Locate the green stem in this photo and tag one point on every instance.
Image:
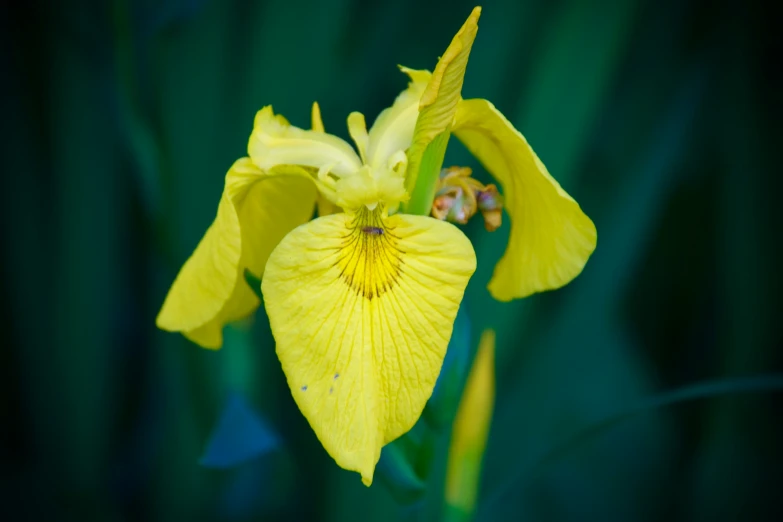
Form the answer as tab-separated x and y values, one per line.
422	186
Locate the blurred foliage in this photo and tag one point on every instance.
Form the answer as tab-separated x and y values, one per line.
662	118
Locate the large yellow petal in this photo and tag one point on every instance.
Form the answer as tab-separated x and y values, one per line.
362	307
255	212
551	238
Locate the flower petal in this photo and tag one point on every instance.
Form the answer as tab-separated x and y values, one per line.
392	130
275	142
436	114
255	212
551	238
357	128
317	124
325	206
362	307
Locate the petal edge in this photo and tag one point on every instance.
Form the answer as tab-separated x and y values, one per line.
256	210
551	238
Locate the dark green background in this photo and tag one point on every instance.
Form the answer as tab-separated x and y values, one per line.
661	117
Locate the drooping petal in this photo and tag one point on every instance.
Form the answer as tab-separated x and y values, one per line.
275	142
255	212
551	238
392	130
437	108
362	307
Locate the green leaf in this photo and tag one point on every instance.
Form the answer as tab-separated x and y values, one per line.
431	162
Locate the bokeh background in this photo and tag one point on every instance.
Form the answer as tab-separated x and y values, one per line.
645	390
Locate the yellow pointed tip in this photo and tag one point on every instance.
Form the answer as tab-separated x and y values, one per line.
263	114
421	76
267	117
367	480
460	47
317	123
471	24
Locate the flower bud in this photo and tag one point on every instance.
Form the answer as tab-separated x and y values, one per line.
458	197
490	204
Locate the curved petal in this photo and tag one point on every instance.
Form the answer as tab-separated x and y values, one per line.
551	238
255	212
275	142
392	130
362	307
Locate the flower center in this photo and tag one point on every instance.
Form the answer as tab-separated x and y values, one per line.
370	260
371	185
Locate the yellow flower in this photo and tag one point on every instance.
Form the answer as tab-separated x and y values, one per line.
362	300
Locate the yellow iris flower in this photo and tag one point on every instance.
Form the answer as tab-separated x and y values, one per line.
362	300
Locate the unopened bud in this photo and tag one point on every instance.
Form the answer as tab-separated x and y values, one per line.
490	204
458	197
442	206
454	204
